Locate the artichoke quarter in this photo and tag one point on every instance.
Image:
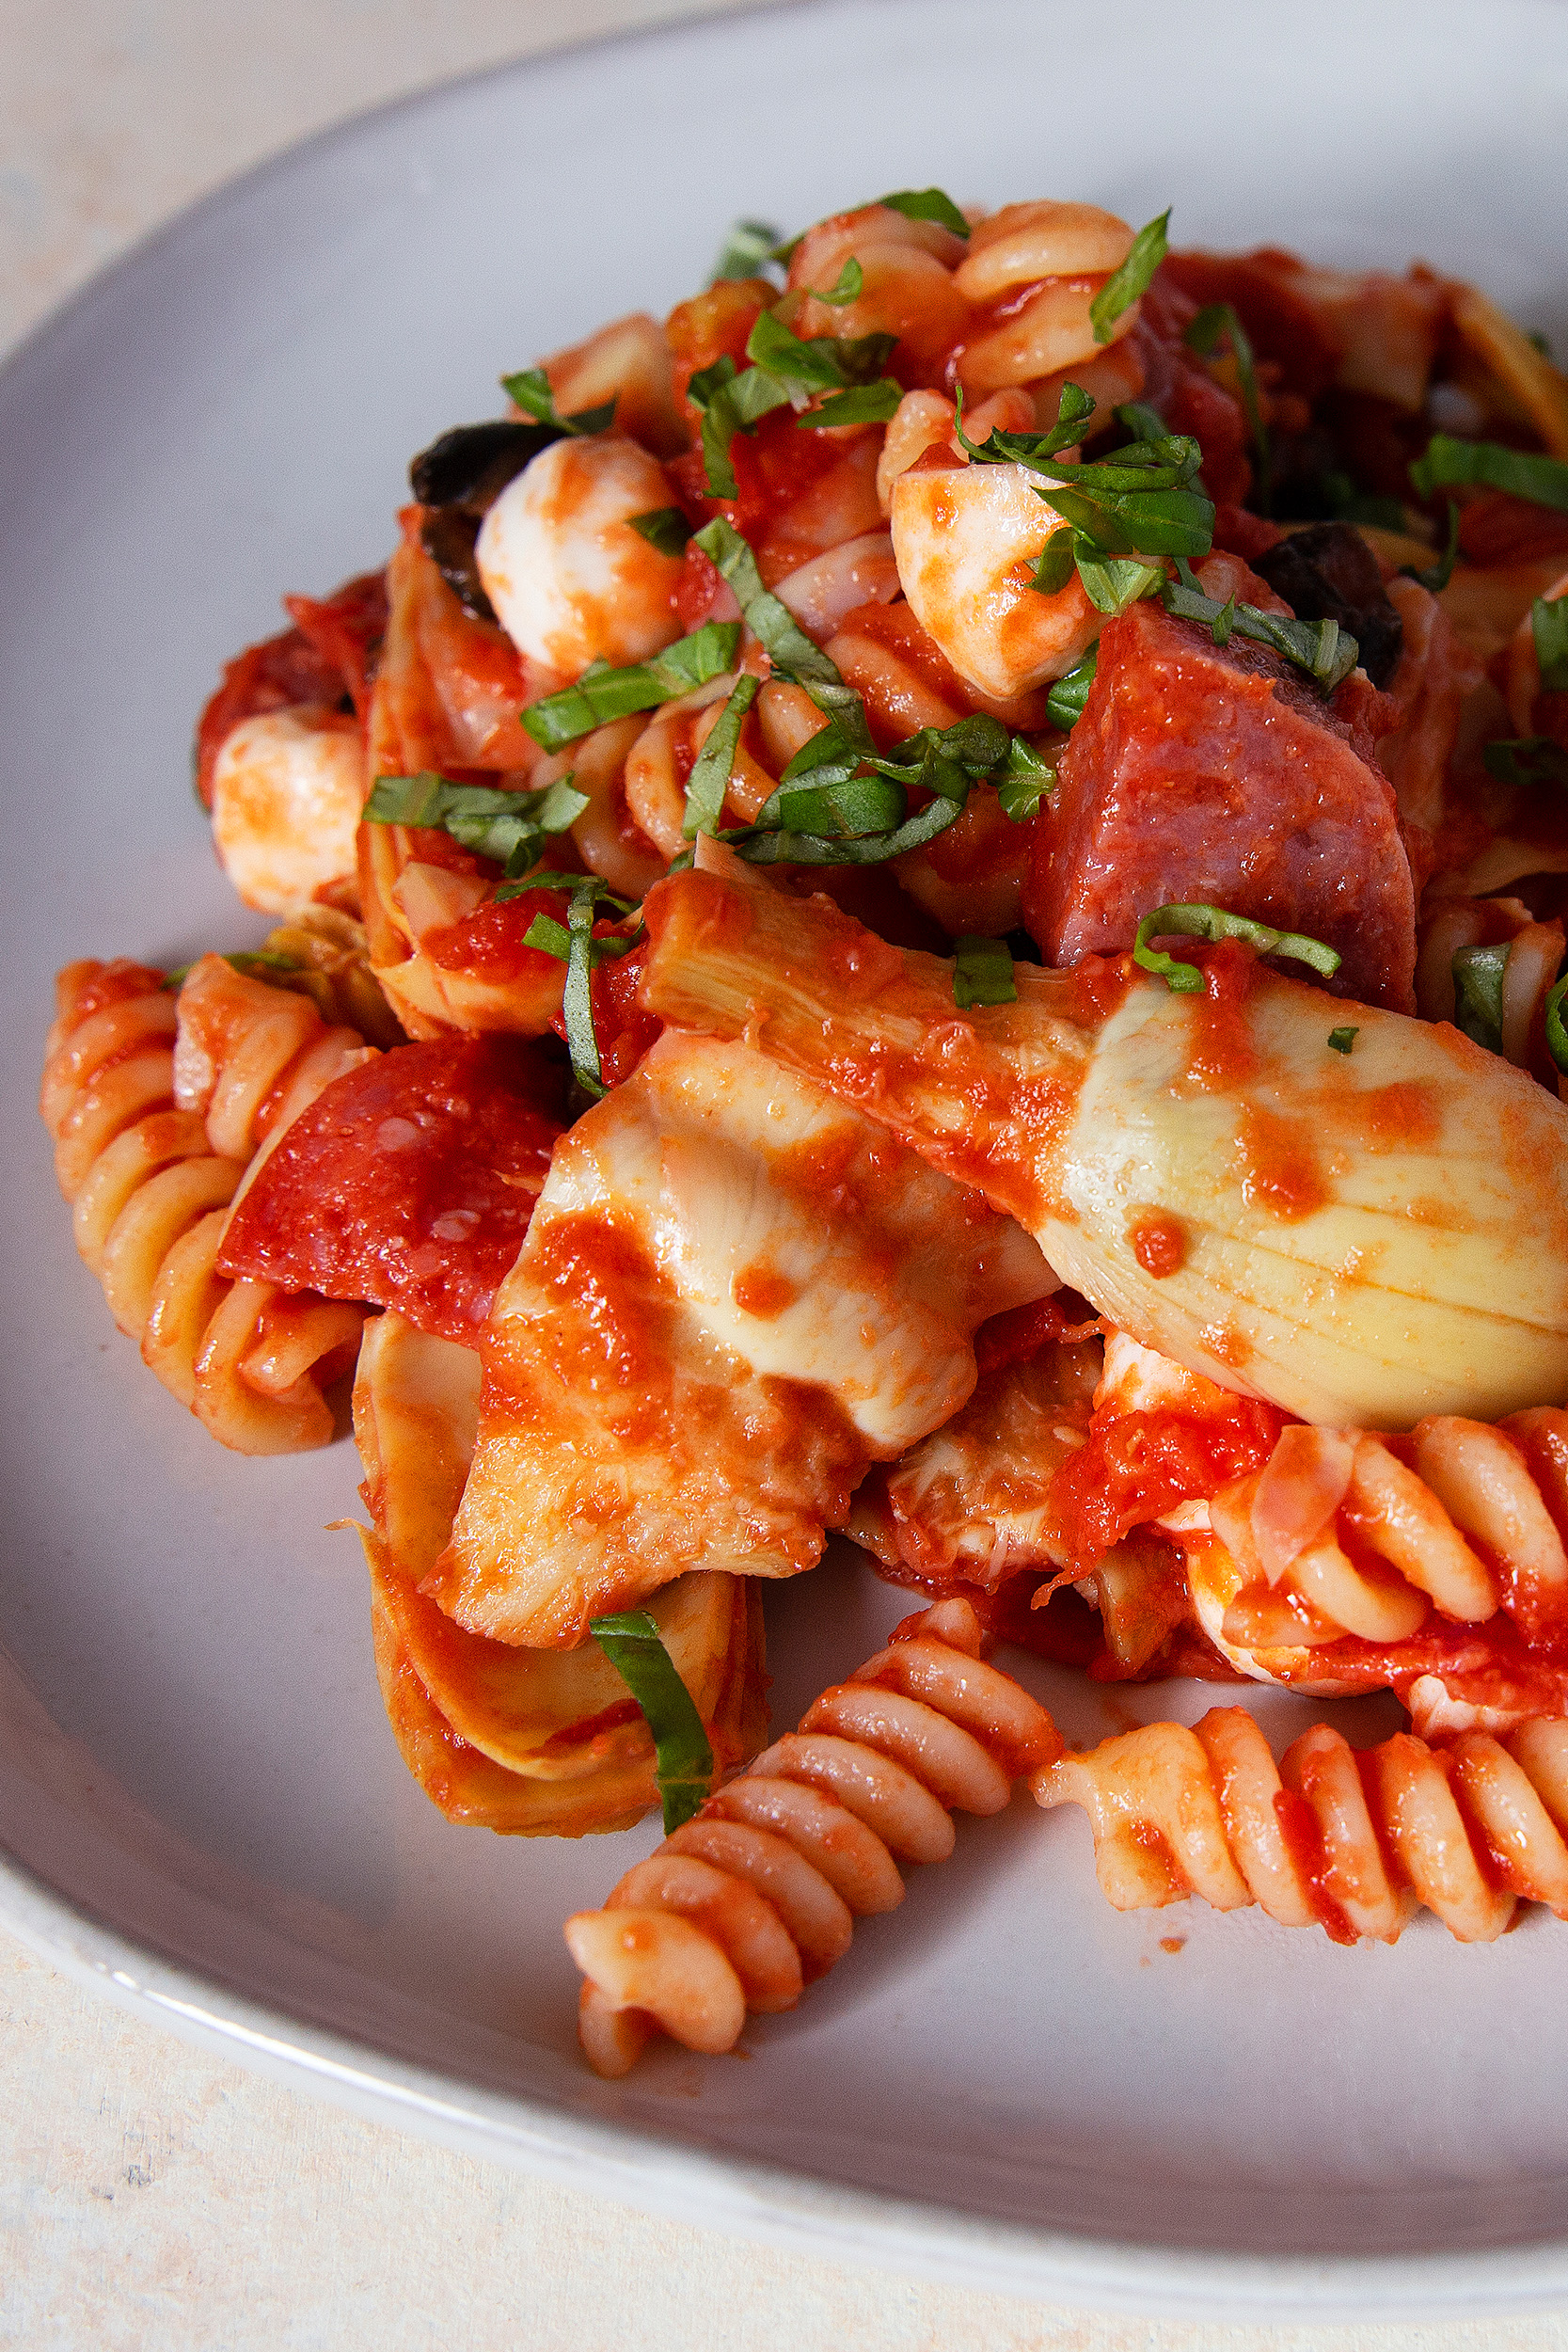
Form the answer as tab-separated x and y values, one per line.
1362	1238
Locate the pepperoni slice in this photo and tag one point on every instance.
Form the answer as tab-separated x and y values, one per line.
408	1182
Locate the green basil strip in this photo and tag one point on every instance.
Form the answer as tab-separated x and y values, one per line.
1436	575
582	951
731	402
847	288
602	693
927	204
1526	759
1557	1034
710	775
1219	319
511	828
1342	1040
1325	651
1112	582
759	847
531	391
1477	991
1027	780
664	528
254	963
853	810
1123	287
1057	562
1448	464
773	623
816	363
684	1757
1549	628
982	972
864	403
1073	408
1205	922
550	878
1143	423
1064	704
747	248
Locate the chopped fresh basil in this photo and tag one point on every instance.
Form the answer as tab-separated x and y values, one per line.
710	774
253	963
1112	582
749	246
864	404
815	363
731	400
1526	759
1219	319
982	972
927	204
1124	285
762	844
1205	922
1434	576
849	811
1026	779
1073	408
846	288
1144	423
1139	501
664	528
1064	704
577	946
512	828
602	693
531	390
1448	464
1342	1040
1478	991
772	623
1556	1033
1549	622
1325	651
682	1752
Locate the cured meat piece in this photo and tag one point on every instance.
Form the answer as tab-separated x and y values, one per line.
1210	774
409	1183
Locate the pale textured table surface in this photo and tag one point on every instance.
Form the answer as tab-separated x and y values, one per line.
152	2197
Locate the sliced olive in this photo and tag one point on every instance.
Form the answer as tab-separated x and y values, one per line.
1328	573
471	465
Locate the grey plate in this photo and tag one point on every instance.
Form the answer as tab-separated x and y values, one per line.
1007	2081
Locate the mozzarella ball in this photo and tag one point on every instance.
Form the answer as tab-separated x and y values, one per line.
570	580
967	539
287	791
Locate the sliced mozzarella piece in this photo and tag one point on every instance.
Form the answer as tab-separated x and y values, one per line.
570	580
287	792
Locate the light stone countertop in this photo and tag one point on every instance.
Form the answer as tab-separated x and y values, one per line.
154	2198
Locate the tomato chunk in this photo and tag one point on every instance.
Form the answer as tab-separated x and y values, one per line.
409	1184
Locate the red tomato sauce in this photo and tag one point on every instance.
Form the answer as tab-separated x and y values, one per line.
1134	1466
409	1184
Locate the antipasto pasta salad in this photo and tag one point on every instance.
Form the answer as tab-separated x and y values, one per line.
927	902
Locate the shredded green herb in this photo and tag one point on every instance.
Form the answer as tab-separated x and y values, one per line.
927	204
746	251
253	963
1526	759
1448	464
602	693
1342	1040
574	944
1219	320
1478	989
1549	622
710	774
1326	652
512	828
1206	922
982	972
1434	576
684	1756
531	391
1556	1033
664	528
845	289
772	623
1124	285
1064	704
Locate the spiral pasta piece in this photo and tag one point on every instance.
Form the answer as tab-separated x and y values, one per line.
1347	1532
744	1905
151	1174
1353	1841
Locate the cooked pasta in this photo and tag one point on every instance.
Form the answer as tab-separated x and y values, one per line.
1353	1842
756	1897
150	1182
927	901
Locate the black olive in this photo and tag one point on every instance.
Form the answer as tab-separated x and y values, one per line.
471	465
447	534
1328	573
